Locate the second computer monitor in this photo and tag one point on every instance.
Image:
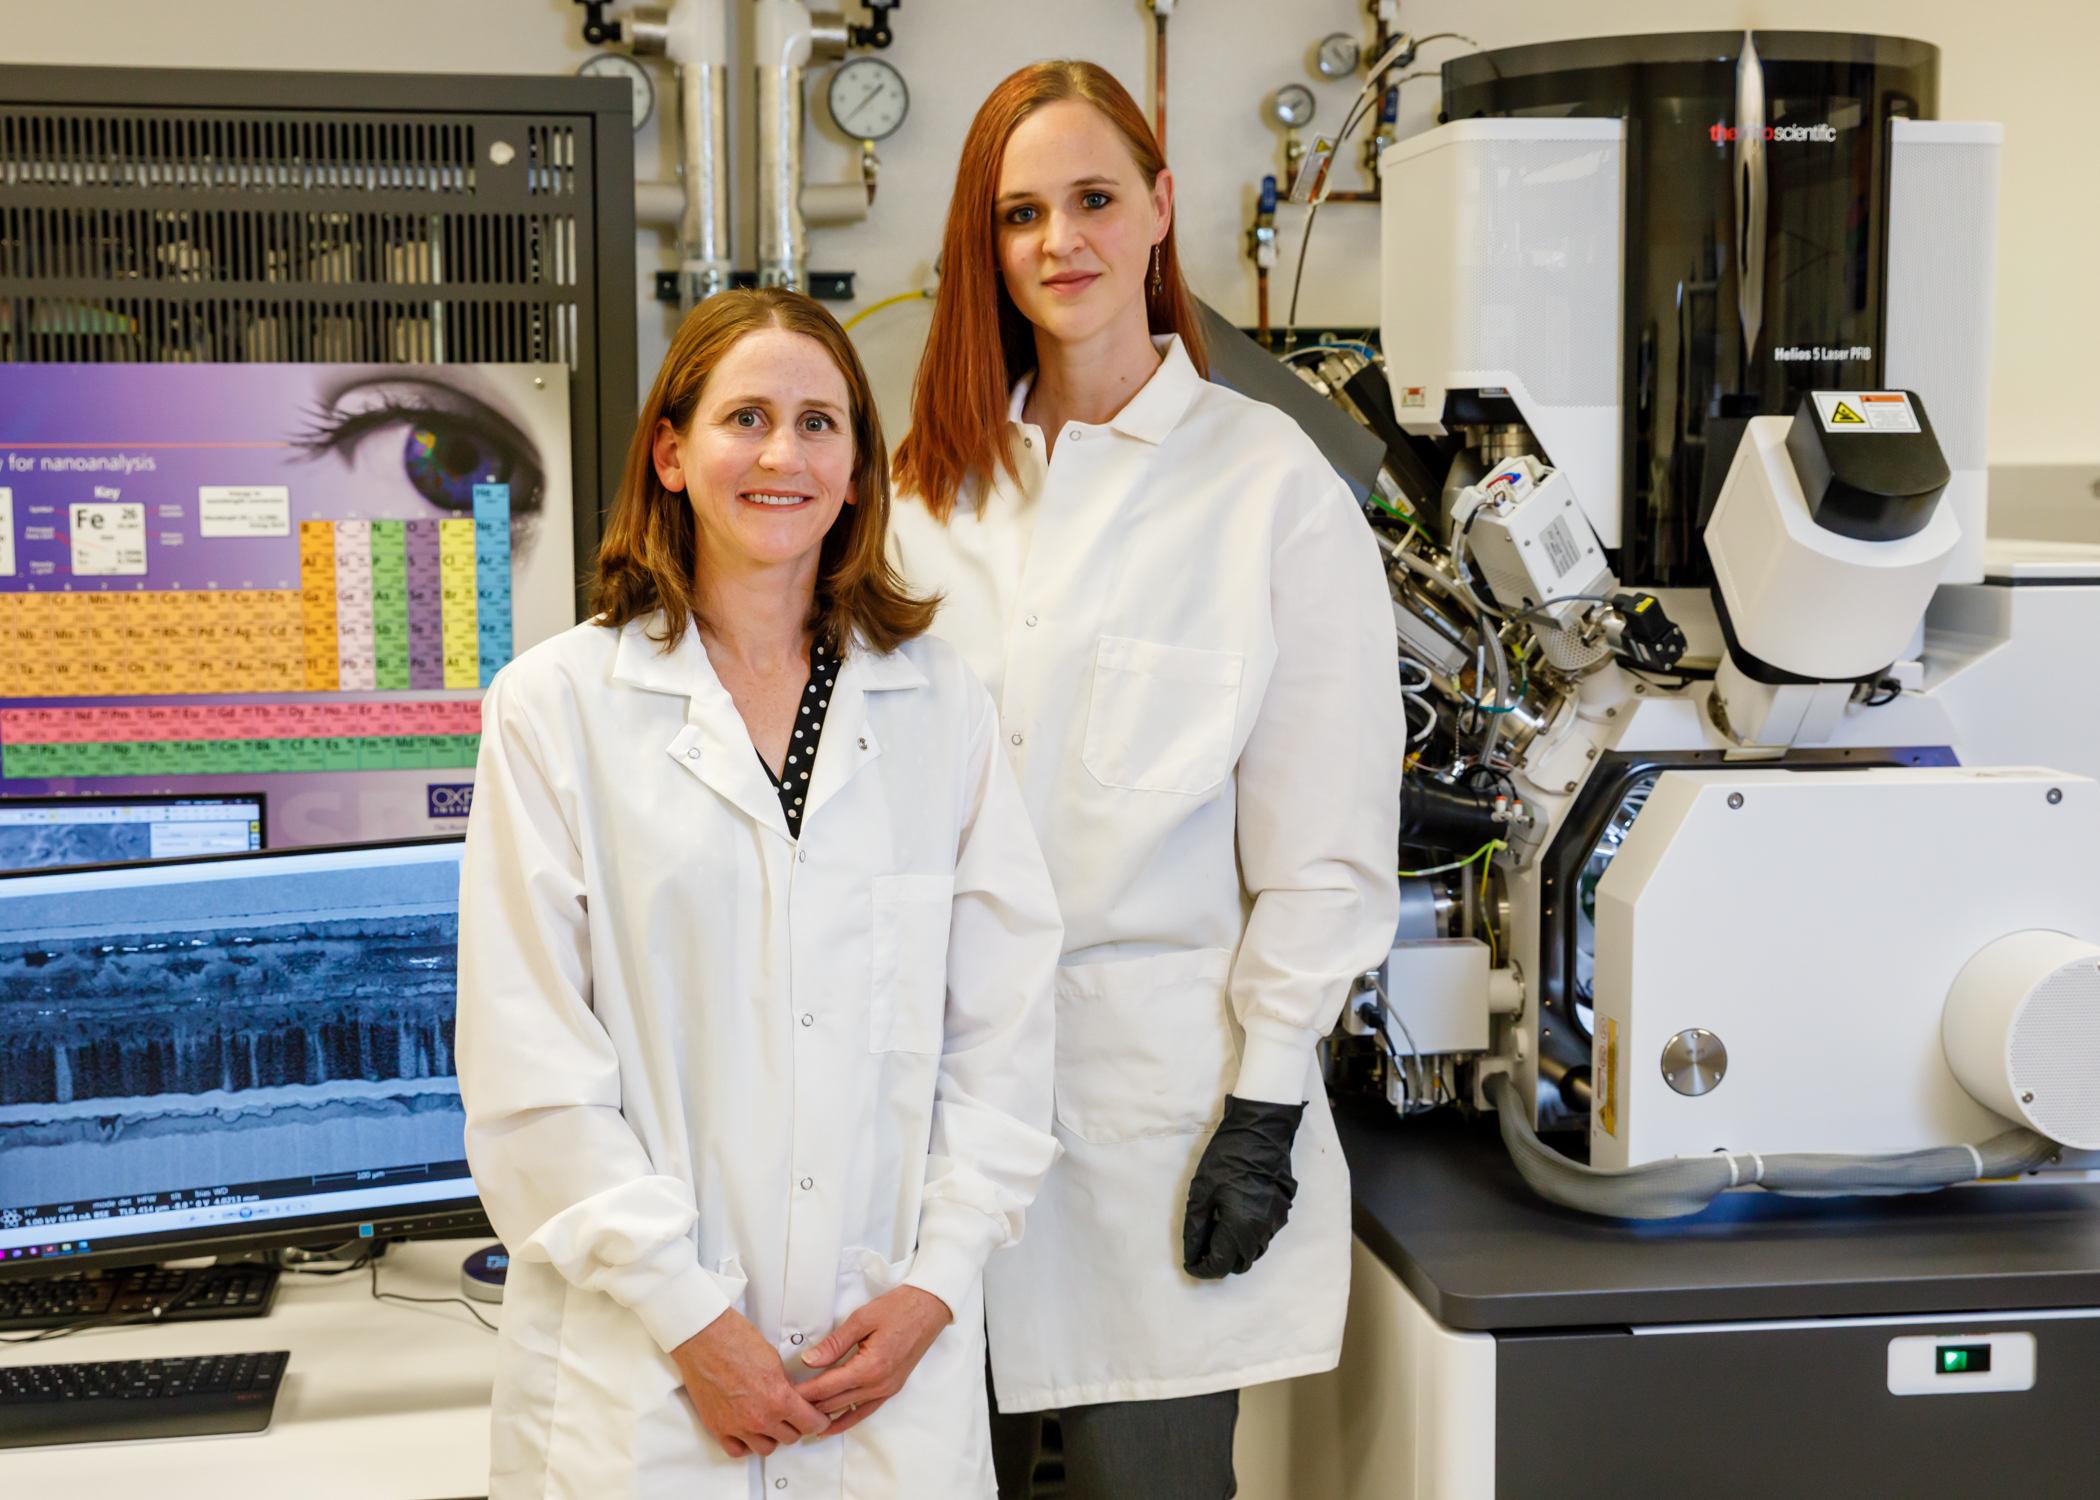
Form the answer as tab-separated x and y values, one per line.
39	833
245	1049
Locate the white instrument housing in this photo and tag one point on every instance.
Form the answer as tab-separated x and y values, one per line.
1815	922
2022	1032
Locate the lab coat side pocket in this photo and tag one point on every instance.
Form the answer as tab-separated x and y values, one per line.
1144	1048
1161	718
908	998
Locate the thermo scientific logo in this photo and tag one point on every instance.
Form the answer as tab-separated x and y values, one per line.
453	799
1781	134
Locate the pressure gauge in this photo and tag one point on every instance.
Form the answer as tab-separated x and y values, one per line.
1338	55
1292	106
620	65
868	99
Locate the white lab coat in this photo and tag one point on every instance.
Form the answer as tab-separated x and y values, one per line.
709	1066
1185	622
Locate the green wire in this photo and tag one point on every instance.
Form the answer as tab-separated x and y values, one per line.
1400	515
1487	848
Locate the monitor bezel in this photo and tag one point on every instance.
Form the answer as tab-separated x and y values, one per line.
445	1218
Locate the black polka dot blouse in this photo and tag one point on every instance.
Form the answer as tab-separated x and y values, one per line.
793	782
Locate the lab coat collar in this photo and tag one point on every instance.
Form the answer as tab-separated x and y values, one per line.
640	660
848	743
1159	407
714	746
1154	411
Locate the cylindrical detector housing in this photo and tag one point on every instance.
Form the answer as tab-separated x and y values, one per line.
2021	1031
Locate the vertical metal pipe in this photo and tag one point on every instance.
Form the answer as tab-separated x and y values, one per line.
703	240
696	38
783	31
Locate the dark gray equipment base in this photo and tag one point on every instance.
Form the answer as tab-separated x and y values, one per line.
1585	1406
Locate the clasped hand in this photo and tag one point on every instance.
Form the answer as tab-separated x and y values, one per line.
742	1392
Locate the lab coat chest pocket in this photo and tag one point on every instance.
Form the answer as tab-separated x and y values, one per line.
1145	1047
908	997
1161	718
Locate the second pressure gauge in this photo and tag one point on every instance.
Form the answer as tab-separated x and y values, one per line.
1338	55
868	99
619	65
1292	106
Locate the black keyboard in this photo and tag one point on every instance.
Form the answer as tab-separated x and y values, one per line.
239	1290
138	1398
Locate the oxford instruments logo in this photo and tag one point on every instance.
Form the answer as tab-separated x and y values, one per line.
453	799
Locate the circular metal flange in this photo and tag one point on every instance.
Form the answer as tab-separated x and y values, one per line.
1694	1062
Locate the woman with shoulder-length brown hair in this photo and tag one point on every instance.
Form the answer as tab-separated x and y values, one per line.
1182	615
755	954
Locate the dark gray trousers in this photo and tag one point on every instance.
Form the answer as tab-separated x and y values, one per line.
1126	1450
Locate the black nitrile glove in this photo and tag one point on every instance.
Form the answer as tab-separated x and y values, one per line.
1243	1189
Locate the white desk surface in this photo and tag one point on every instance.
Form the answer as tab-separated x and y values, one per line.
381	1401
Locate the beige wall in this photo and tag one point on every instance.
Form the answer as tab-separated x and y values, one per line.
2023	64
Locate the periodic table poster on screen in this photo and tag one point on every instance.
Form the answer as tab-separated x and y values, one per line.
295	579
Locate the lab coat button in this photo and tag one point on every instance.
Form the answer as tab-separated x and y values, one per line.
1031	619
809	1020
794	1338
802	855
780	1484
808	1183
1017	739
694	754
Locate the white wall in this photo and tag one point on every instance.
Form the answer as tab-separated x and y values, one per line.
2024	64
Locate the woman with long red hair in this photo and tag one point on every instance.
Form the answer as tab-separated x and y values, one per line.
1181	614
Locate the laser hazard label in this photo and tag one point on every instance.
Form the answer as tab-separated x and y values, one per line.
1866	411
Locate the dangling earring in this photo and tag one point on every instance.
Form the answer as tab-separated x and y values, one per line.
1158	270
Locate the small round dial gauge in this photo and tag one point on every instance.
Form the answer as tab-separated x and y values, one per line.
620	65
1292	106
1338	55
868	99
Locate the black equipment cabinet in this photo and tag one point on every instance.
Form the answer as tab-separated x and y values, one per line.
1742	1351
1804	216
175	215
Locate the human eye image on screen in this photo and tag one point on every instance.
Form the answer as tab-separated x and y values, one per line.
238	1046
432	433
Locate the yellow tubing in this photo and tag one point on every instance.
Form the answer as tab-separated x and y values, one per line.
868	312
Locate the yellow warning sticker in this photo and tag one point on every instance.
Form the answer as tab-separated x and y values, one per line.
1873	411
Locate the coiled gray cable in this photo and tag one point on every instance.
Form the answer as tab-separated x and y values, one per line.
1686	1184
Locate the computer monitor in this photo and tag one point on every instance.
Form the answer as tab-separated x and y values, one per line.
230	1051
39	832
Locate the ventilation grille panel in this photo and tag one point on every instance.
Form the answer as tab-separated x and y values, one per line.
234	153
98	330
550	161
248	246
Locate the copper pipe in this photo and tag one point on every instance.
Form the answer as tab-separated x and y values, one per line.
1159	77
1353	196
1261	303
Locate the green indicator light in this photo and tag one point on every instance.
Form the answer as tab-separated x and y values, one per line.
1964	1359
